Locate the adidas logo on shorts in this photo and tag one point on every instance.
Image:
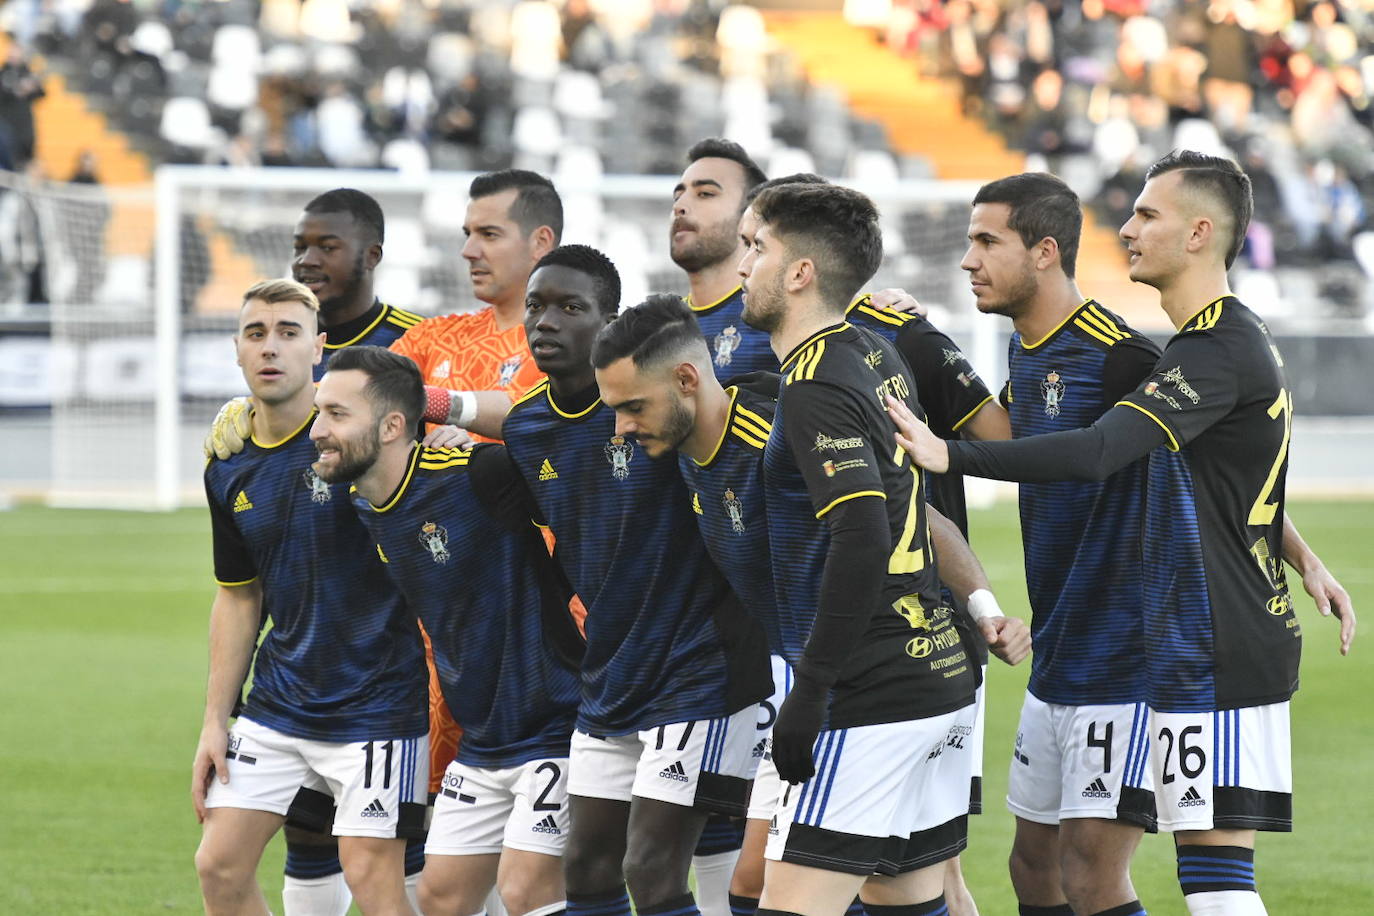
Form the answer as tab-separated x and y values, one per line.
375	809
760	749
1191	799
1097	790
547	825
674	772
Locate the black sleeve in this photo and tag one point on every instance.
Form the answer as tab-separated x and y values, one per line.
1195	384
1128	364
828	434
501	489
851	586
1121	436
759	382
1004	396
946	385
233	563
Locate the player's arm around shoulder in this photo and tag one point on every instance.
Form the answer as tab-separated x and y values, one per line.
230	429
235	616
1329	595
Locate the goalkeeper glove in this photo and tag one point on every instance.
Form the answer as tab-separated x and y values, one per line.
798	724
231	429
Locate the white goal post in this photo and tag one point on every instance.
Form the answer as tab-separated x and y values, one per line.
218	230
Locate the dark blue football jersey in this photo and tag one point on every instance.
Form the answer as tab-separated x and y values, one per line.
667	641
729	504
380	326
1220	630
736	348
343	660
832	441
473	566
1081	540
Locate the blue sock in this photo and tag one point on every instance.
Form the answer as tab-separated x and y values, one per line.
607	903
415	857
721	834
306	861
1063	909
1215	868
855	909
743	906
934	907
686	905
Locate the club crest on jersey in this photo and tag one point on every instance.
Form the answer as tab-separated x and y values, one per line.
727	342
319	490
508	370
434	537
1052	388
618	453
735	509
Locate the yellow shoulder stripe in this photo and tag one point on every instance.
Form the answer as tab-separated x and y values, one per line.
848	496
886	316
807	363
753	424
1173	443
748	437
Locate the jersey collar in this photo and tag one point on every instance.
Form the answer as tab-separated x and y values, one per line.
823	332
733	391
401	487
583	403
703	309
353	331
1057	328
267	446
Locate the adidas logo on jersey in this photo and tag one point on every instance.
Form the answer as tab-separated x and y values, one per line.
674	772
1191	799
1097	789
441	371
375	809
242	503
547	825
546	471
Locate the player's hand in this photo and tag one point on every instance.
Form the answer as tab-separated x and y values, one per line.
794	733
899	300
448	437
1331	598
1008	638
208	764
231	429
925	448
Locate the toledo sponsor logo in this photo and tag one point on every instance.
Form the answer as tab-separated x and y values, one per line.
922	646
826	443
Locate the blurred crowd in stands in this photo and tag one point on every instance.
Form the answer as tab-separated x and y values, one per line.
1097	90
1093	90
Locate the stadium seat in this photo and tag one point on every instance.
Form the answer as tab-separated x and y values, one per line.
449	57
872	165
576	164
327	21
152	37
536	36
578	95
127	281
789	160
407	156
537	132
186	123
237	46
232	88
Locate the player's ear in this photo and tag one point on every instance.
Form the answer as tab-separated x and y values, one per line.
1201	234
542	241
319	348
687	378
800	273
373	256
1046	253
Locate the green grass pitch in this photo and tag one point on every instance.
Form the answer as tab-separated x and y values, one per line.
102	659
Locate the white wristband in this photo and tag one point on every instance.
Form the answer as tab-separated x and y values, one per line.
463	408
982	604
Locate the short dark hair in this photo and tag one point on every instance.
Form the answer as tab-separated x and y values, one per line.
364	209
1042	207
836	227
1222	180
536	201
798	178
586	259
658	327
393	381
720	148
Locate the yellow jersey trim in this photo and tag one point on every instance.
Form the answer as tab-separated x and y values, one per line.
753	422
969	416
1173	443
224	584
748	436
1206	317
1057	328
280	442
381	316
864	303
535	390
714	305
571	416
800	348
405	483
878	493
1094	311
725	430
